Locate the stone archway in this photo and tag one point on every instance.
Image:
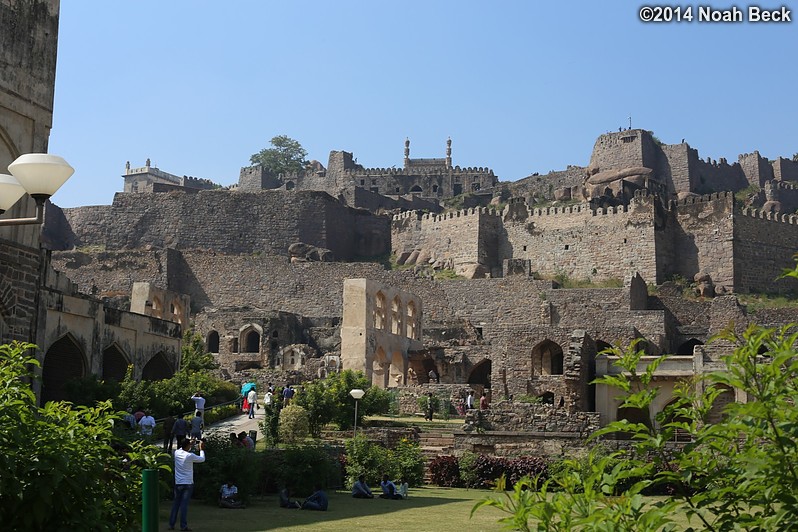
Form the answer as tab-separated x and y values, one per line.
480	374
158	368
64	361
547	359
115	363
212	342
686	348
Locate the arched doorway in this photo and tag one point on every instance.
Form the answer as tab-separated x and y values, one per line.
212	342
632	415
686	348
416	189
251	341
114	363
158	368
380	368
547	398
547	359
63	362
480	374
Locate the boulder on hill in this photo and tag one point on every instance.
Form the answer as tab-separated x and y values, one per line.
608	176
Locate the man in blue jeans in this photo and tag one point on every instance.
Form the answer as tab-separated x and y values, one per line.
184	481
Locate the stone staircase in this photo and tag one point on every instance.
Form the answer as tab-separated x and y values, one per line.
435	441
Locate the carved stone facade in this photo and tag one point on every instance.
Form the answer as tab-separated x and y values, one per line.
381	326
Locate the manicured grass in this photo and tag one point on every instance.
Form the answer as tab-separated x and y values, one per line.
427	509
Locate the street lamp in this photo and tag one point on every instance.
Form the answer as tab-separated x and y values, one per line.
38	174
357	393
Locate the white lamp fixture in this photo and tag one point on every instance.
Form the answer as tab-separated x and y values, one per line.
38	174
357	394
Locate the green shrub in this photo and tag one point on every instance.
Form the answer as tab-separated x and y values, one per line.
468	471
294	424
226	462
61	466
270	426
366	458
408	462
299	468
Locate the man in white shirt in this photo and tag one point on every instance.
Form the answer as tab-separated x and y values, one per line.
470	400
184	481
146	424
267	399
199	403
252	399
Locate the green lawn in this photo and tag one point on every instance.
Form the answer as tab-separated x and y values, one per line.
428	509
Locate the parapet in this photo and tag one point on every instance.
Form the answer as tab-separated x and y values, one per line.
791	219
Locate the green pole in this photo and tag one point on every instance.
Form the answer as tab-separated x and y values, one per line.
149	500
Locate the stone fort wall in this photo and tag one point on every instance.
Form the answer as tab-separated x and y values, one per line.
234	222
764	245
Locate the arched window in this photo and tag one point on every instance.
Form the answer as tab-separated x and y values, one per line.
379	311
547	359
212	342
396	316
252	341
416	189
411	329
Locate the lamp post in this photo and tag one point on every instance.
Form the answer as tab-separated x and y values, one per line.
38	174
358	394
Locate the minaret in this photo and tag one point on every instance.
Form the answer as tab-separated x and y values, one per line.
449	152
407	152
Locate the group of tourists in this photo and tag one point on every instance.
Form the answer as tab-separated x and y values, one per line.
361	490
249	397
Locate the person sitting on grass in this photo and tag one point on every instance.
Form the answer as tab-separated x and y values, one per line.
361	490
317	501
403	487
388	489
285	500
228	496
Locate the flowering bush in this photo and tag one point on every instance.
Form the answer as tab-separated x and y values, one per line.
445	471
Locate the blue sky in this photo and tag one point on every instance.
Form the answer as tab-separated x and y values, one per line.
520	86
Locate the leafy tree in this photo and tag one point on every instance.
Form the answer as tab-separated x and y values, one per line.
285	156
194	355
61	467
328	400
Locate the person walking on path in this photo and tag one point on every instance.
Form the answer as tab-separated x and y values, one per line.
197	425
168	436
180	429
252	398
483	401
199	403
430	407
184	482
146	424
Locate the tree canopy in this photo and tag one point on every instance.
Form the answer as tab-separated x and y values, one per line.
285	156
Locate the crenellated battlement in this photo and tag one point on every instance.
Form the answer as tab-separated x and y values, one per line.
791	219
478	211
706	198
373	172
782	185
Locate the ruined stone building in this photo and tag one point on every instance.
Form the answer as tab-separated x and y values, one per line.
106	286
419	183
77	334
